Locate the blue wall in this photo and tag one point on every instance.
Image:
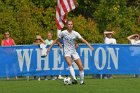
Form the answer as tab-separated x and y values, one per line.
105	59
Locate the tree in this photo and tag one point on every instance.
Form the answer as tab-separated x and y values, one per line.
26	18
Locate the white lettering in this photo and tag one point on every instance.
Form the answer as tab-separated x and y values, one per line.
25	56
39	61
86	52
57	59
96	58
111	54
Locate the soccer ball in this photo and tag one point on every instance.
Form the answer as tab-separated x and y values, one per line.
67	81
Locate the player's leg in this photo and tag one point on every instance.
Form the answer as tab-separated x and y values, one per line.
72	72
81	71
80	66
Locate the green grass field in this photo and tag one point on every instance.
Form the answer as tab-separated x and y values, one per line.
119	85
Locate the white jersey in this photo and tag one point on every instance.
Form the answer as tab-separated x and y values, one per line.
110	40
135	42
69	41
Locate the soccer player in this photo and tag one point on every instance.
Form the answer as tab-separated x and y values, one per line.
69	36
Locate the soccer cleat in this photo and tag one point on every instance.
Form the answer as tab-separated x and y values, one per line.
74	81
82	83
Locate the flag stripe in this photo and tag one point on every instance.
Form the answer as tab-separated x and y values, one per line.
62	8
61	11
59	22
73	4
69	4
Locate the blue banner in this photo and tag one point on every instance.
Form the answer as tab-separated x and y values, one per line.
26	60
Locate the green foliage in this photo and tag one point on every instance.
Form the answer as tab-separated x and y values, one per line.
26	18
23	19
87	28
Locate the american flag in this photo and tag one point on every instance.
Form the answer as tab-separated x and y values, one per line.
63	7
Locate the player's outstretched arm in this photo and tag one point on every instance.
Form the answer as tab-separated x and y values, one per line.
55	41
83	40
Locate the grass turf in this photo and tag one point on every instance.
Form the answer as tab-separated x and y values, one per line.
129	85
